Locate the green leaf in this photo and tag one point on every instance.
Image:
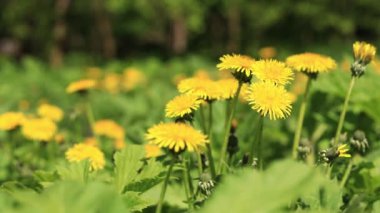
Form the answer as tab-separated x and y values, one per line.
143	185
74	171
72	197
127	163
135	202
268	191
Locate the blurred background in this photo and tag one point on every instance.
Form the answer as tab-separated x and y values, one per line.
104	29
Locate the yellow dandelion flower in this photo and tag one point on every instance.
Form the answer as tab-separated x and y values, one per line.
268	99
108	128
228	87
82	151
202	88
182	105
11	120
273	71
119	144
342	151
177	137
81	86
51	112
39	129
133	78
267	52
364	52
311	63
236	62
111	83
152	151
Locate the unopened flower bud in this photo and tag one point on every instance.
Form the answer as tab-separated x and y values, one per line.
359	141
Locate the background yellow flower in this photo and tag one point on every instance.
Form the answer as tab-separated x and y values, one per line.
50	112
39	129
11	120
108	128
82	151
81	85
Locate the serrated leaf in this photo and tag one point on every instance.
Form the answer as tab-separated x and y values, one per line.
76	171
142	185
151	170
71	197
135	202
269	191
127	163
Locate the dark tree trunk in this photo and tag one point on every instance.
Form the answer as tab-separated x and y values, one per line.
59	33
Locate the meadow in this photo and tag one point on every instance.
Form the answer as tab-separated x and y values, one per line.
238	133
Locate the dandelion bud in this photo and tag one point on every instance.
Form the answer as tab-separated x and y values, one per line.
363	52
359	141
304	148
245	160
234	125
206	184
357	69
330	154
233	145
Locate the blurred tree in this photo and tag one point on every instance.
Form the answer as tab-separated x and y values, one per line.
118	27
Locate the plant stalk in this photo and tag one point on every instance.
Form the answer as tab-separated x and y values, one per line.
209	150
227	129
346	174
164	186
301	117
344	110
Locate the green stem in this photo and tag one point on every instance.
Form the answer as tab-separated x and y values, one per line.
200	168
344	110
187	185
209	150
227	129
164	186
259	134
301	117
346	174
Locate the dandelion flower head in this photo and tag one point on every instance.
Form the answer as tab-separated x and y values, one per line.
364	52
202	88
176	137
311	63
237	63
81	86
83	151
11	120
182	105
268	99
108	128
273	71
39	129
51	112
